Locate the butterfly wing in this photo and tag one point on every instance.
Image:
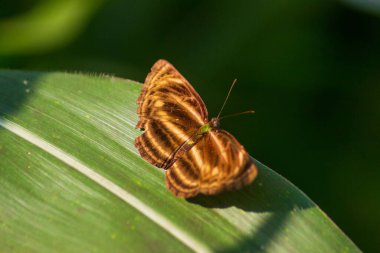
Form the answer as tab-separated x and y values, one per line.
217	162
169	110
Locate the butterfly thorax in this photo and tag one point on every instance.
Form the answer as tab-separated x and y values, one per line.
206	128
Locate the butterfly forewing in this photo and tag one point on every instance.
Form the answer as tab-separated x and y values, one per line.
169	110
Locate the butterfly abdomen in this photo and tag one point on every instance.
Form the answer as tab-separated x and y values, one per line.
186	146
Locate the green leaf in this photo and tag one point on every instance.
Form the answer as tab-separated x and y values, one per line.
72	181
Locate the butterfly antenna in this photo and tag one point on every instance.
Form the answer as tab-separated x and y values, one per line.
228	95
236	114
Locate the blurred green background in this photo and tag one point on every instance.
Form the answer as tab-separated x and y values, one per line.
310	69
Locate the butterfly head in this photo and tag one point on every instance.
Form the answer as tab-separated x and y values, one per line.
214	123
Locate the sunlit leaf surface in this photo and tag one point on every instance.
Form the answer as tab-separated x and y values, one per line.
72	181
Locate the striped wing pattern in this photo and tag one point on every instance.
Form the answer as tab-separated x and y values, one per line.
171	113
217	162
169	110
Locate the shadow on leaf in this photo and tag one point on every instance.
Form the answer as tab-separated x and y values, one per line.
268	193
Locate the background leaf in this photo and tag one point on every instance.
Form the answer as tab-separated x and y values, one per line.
72	181
48	25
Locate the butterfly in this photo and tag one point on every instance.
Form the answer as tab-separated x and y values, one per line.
196	154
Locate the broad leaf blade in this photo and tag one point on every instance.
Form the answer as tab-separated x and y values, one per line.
47	204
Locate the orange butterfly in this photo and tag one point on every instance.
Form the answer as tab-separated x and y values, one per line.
197	155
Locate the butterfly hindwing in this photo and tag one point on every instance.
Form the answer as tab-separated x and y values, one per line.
169	110
215	163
